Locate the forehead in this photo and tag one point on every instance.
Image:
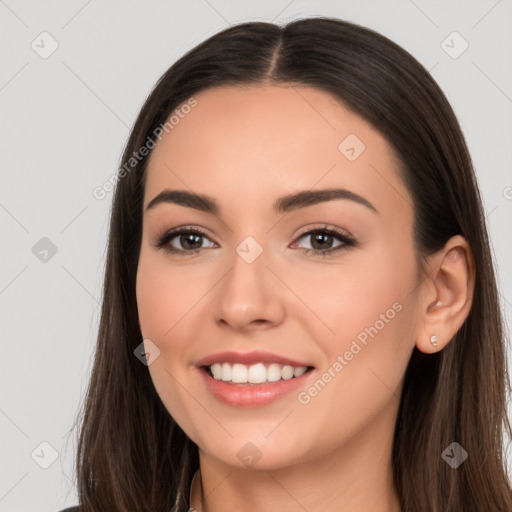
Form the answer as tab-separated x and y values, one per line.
253	142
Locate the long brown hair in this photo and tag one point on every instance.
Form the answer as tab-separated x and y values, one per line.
132	456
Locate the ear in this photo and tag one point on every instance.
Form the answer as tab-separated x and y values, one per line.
446	295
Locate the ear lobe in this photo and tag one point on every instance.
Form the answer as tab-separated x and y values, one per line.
447	295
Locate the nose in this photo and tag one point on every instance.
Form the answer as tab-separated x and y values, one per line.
249	296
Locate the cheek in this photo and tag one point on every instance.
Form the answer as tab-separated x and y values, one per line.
370	312
343	301
164	296
364	366
164	300
154	297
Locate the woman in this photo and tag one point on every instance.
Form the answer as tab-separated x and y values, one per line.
300	309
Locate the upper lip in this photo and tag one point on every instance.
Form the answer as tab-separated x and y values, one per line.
256	356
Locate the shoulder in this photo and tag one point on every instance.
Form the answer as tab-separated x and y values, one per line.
70	509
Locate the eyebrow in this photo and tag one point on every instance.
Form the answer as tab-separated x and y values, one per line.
283	204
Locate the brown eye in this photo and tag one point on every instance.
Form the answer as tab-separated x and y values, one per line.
190	241
182	241
321	242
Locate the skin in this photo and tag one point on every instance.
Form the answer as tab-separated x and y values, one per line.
245	147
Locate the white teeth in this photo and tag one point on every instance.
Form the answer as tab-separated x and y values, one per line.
274	372
254	373
257	374
287	372
239	373
226	372
216	370
299	371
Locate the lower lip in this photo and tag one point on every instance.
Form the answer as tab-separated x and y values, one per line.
251	395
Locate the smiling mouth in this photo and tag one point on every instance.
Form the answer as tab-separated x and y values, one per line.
254	374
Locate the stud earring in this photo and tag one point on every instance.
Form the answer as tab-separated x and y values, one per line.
433	340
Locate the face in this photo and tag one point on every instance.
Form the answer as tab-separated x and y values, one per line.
324	284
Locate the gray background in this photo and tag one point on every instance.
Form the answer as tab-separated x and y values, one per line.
65	119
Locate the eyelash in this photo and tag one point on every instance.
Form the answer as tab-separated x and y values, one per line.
347	241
